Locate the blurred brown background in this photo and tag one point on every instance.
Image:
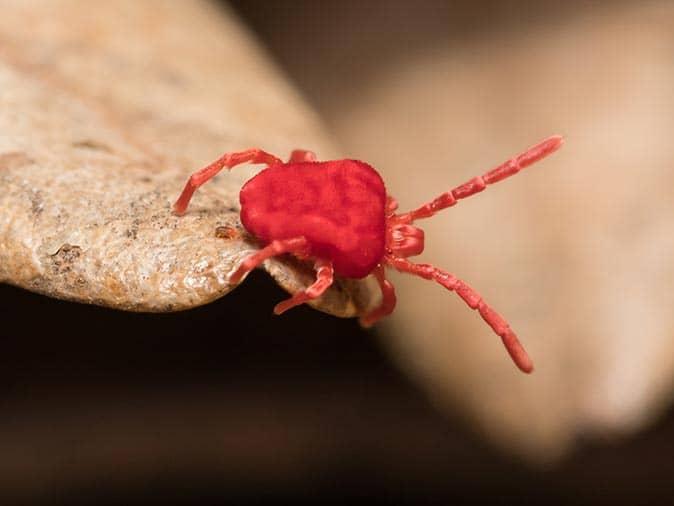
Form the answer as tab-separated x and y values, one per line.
226	403
577	254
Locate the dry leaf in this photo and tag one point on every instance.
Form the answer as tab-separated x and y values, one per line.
104	113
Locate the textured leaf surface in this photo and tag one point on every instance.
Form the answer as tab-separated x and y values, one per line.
104	113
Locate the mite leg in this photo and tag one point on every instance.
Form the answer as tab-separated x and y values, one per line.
391	206
295	245
388	301
479	183
324	278
302	155
228	160
474	301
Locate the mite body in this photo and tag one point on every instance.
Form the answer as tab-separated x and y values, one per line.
337	206
338	214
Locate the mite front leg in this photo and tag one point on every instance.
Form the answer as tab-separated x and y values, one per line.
297	245
302	155
324	278
474	301
479	183
388	301
228	160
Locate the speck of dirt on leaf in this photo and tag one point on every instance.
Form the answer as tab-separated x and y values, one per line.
226	232
36	202
65	257
93	145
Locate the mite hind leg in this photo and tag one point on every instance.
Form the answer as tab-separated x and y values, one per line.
473	299
297	245
324	278
388	301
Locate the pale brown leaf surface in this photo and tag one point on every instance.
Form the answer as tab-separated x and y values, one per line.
104	113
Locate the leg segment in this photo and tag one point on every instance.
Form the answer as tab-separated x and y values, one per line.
324	278
391	206
302	155
227	160
388	301
274	248
479	183
474	301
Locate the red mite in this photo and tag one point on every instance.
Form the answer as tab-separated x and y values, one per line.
339	214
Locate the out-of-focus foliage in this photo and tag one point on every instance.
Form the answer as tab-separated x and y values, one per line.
576	252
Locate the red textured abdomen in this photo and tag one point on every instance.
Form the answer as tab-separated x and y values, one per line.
339	206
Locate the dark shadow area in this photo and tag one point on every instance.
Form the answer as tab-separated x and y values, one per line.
302	408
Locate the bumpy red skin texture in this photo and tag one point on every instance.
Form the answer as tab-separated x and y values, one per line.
338	206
